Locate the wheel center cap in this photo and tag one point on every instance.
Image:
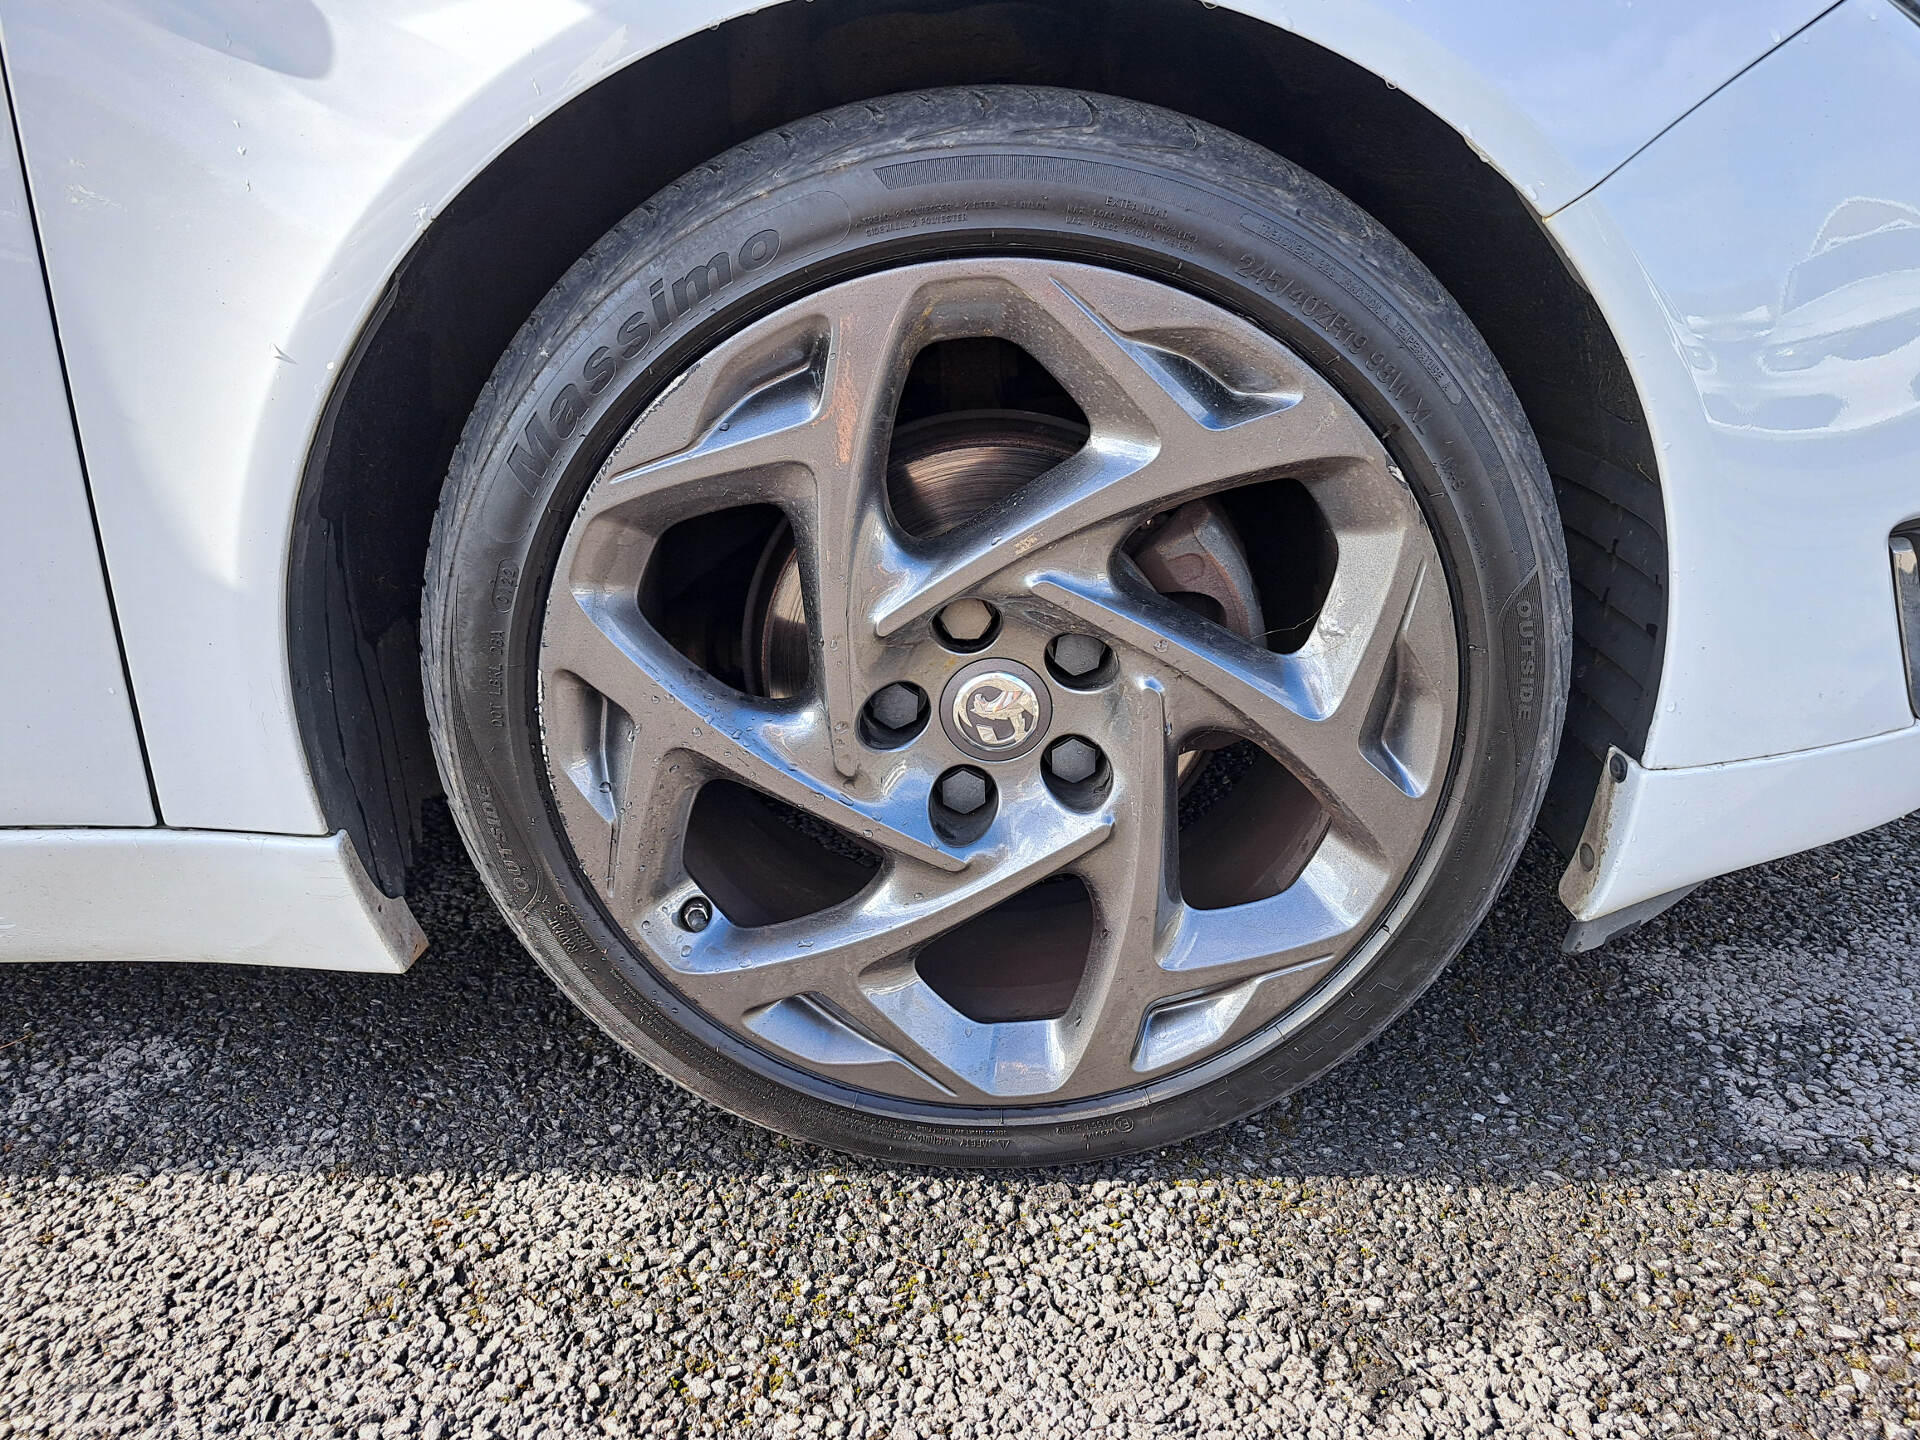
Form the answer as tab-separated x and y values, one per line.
995	709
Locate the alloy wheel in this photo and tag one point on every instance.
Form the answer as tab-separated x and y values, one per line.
854	824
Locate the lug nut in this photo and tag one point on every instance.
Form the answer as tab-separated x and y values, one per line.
1076	656
1072	760
963	791
895	707
696	914
967	620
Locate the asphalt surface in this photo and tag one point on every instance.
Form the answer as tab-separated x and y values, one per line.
1669	1187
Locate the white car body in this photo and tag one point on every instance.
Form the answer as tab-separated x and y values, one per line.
216	199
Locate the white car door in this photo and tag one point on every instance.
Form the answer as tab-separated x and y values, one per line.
69	747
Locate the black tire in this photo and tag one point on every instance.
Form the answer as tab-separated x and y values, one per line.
1011	171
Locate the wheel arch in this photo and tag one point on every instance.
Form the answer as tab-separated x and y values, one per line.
505	233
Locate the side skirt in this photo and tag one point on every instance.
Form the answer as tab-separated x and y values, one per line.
198	895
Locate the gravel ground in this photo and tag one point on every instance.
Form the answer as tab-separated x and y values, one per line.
1669	1187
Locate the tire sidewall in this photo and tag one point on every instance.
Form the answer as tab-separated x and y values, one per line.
1222	219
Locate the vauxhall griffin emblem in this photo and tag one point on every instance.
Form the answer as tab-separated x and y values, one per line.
996	709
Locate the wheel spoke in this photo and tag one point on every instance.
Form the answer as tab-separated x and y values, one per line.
715	439
1135	901
846	541
906	907
1229	971
799	414
1091	497
1383	577
1305	712
1311	920
677	707
625	810
1218	968
1213	972
856	956
1216	397
1164	428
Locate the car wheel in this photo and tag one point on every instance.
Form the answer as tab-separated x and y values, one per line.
996	626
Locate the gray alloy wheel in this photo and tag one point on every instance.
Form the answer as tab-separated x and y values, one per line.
996	626
990	707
